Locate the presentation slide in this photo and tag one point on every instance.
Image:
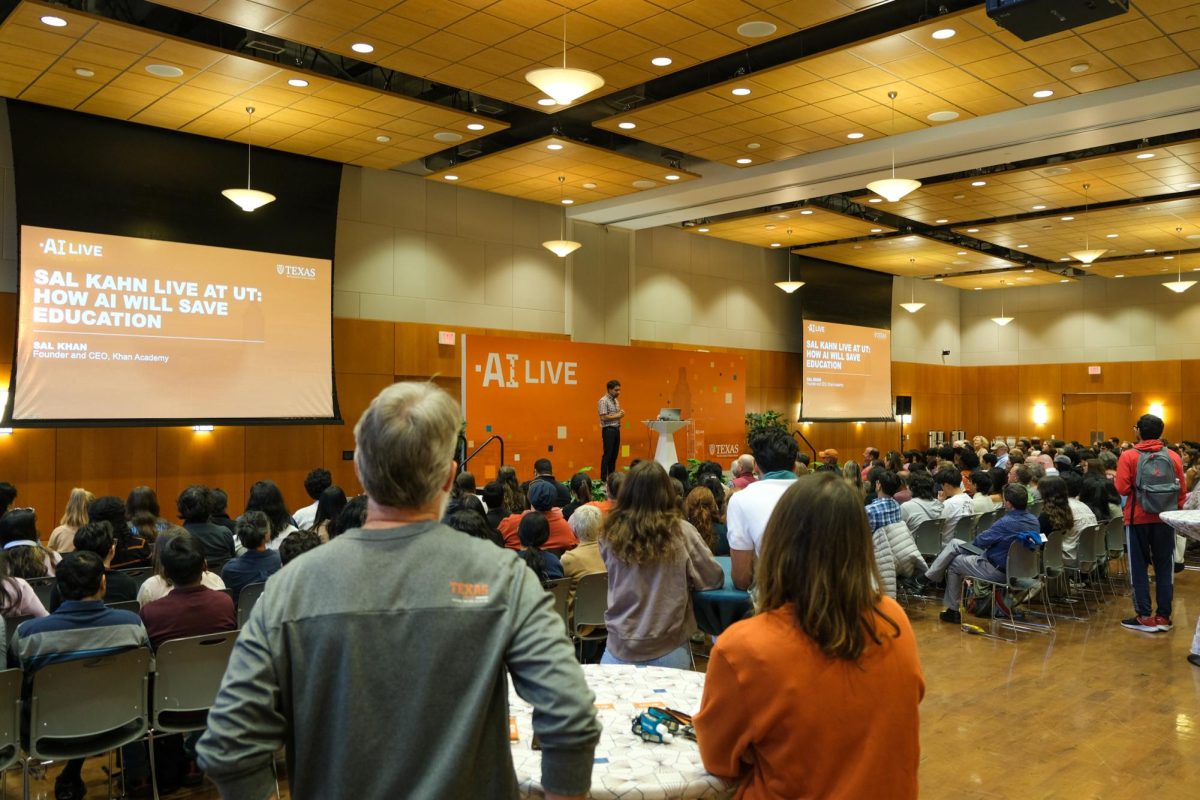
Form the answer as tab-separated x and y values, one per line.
118	328
847	372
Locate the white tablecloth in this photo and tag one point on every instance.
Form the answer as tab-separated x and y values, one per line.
627	767
1185	523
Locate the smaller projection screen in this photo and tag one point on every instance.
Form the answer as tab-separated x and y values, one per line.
847	372
115	328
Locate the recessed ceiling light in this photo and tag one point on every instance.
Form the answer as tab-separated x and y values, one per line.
740	91
875	200
808	211
972	230
1150	250
745	161
756	29
362	47
959	196
702	230
1168	258
943	33
961	253
450	177
554	146
546	101
661	61
84	72
475	126
769	227
1038	208
589	185
1022	246
943	116
1080	67
448	136
979	183
164	70
1043	93
644	184
1066	219
979	288
566	201
53	21
910	238
1193	186
1111	235
941	221
626	126
774	244
1028	271
672	177
299	83
753	146
855	135
382	139
1145	155
1193	236
1064	258
1118	276
1064	280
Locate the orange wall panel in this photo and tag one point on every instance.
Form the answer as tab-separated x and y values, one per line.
103	461
216	458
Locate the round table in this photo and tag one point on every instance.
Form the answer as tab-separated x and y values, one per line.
717	609
1186	522
627	767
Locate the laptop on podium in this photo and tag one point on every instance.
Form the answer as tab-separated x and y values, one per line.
668	415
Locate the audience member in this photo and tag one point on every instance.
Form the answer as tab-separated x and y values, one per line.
145	516
403	597
352	516
17	599
23	550
742	470
464	483
543	471
883	510
980	489
258	562
194	505
493	498
1084	517
533	531
924	504
748	510
316	481
543	496
220	510
8	493
870	456
472	524
581	493
612	489
514	498
190	608
852	473
955	502
97	538
837	642
62	538
133	549
158	585
82	627
584	559
299	543
266	497
329	505
700	509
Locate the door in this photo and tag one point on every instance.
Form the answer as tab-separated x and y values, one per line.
1097	415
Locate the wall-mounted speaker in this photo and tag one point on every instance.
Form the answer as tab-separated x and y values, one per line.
903	404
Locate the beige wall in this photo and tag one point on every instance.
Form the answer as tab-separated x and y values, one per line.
8	208
920	338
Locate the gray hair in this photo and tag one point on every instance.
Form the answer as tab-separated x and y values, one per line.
405	443
585	522
1108	459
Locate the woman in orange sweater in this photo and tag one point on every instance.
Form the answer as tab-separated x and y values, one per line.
816	695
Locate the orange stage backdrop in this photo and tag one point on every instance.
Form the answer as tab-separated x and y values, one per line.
540	396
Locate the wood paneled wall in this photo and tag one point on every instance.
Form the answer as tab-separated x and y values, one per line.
46	463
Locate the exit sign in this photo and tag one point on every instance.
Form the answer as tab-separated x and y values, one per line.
1093	370
447	337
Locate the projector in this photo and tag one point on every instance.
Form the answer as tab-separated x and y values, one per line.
1033	19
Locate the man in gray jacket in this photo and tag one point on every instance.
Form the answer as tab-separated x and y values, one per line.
380	659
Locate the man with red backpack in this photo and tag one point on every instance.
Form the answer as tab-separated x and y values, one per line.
1150	477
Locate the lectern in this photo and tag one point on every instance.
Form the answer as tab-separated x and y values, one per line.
665	453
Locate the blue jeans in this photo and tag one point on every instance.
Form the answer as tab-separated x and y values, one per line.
679	658
1151	544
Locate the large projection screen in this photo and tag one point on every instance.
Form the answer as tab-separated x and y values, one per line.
121	330
847	372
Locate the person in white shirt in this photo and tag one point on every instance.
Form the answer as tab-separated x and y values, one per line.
924	505
981	487
746	517
316	481
955	502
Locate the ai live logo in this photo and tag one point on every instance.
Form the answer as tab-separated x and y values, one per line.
508	376
294	271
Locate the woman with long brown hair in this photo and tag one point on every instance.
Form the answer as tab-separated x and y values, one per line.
827	666
700	508
655	558
62	538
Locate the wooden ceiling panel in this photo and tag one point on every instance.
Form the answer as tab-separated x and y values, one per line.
808	226
1003	280
911	256
344	119
1167	266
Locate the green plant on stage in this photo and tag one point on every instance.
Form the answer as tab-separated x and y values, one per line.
693	464
756	422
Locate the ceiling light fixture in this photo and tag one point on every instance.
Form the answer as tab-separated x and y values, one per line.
702	230
362	47
942	116
740	91
979	183
563	84
475	126
54	22
626	126
855	135
893	188
1080	67
248	199
562	246
756	29
745	161
671	177
299	83
1145	155
1087	255
84	72
912	306
450	177
554	146
164	70
383	138
1041	94
789	285
1002	320
547	101
661	61
1179	285
944	33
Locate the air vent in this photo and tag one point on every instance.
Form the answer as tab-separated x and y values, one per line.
274	47
487	108
636	95
469	151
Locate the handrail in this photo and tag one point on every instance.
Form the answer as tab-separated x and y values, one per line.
798	434
486	442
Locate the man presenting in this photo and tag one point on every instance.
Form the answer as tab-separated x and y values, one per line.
610	427
406	646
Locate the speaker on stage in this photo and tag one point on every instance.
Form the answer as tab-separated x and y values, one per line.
903	404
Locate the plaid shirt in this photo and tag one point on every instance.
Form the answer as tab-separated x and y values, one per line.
881	512
608	405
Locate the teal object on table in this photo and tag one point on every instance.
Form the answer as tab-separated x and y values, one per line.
717	609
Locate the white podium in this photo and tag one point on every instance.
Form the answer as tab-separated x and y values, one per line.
664	452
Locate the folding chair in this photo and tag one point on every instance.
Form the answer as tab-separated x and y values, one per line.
125	605
591	603
139	574
1114	543
1055	571
188	673
965	527
928	536
1086	563
10	722
1023	573
41	587
69	718
561	589
247	599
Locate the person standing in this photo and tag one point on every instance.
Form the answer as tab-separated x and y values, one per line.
1151	476
610	427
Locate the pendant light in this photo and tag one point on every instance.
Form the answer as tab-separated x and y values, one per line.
1086	255
248	199
564	85
893	188
1179	285
562	246
789	285
1002	320
912	306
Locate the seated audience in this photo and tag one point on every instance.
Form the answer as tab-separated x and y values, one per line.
266	497
1057	514
190	608
194	505
542	496
473	524
157	585
17	599
883	510
97	538
315	482
612	488
329	505
8	493
464	483
133	549
955	562
581	493
955	502
700	508
514	497
679	472
23	550
220	510
584	559
299	543
534	531
543	471
748	511
352	516
493	499
905	493
145	517
82	627
62	538
980	489
924	504
655	559
852	473
257	563
838	643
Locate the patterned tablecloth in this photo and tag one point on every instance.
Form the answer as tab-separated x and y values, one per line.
627	767
1185	523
